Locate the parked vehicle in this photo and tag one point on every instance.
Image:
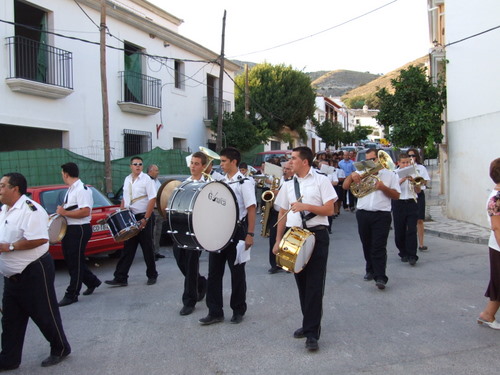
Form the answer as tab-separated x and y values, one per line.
265	156
393	153
51	196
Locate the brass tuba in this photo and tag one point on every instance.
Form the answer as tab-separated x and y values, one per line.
211	156
369	180
268	197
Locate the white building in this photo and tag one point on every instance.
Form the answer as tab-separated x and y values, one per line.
366	117
162	87
469	47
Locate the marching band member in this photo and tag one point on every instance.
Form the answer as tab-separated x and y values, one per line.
139	196
188	261
245	195
374	220
422	172
28	271
404	212
77	210
310	212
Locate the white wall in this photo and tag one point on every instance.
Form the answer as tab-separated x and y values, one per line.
473	88
81	112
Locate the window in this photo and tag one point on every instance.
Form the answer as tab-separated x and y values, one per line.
275	145
180	144
136	142
133	90
179	75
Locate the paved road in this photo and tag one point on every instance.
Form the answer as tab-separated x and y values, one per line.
423	323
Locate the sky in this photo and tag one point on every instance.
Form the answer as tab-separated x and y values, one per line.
331	34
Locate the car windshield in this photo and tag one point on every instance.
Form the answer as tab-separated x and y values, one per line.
261	158
50	199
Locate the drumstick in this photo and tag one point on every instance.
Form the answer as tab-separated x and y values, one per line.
286	213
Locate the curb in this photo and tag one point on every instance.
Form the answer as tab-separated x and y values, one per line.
457	237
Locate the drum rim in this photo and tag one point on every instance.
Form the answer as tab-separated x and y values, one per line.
62	232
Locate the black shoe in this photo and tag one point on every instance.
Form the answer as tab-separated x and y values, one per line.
7	368
52	360
380	284
404	259
368	276
423	248
115	282
299	334
412	261
159	256
274	270
91	289
210	320
151	281
236	319
186	310
67	301
312	344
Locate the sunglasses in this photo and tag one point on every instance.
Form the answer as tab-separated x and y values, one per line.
412	155
372	159
137	164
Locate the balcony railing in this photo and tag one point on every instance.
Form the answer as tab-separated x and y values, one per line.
140	89
212	107
39	62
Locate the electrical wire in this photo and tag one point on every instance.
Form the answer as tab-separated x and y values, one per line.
472	36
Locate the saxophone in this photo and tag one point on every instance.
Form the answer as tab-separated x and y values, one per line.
268	197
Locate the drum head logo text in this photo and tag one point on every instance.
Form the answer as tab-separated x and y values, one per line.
216	199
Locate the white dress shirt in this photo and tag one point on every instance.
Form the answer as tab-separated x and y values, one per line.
25	219
378	201
143	186
316	189
245	193
81	196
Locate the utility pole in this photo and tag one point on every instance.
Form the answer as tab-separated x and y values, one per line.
105	108
247	93
220	112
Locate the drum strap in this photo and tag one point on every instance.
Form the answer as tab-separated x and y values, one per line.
304	217
138	199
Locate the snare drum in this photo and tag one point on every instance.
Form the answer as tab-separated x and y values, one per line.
202	215
57	228
295	249
122	225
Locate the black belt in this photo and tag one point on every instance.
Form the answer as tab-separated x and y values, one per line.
406	200
15	278
317	228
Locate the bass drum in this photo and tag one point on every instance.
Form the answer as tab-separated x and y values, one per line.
202	215
57	228
295	249
165	191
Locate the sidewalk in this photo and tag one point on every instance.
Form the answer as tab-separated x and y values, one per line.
437	224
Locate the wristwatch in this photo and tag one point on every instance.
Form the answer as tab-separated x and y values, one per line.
250	234
11	247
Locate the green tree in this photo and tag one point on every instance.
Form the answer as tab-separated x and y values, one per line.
241	132
360	133
330	132
279	95
413	113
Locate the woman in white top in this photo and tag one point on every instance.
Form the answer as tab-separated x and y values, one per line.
487	317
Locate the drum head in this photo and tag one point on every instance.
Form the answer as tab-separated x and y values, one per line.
57	228
214	216
305	253
164	193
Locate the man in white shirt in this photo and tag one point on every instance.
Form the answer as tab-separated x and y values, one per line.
77	209
245	195
139	196
310	212
374	220
28	270
404	212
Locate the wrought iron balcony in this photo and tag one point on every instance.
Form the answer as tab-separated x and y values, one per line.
140	93
34	65
212	107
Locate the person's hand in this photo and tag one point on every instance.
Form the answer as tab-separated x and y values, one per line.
248	241
356	178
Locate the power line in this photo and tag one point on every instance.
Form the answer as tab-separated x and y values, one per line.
472	36
319	32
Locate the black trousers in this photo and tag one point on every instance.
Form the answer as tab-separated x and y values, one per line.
73	246
273	218
352	199
311	285
195	285
31	294
216	267
145	239
373	229
404	213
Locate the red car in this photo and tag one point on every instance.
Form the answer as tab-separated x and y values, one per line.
51	196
